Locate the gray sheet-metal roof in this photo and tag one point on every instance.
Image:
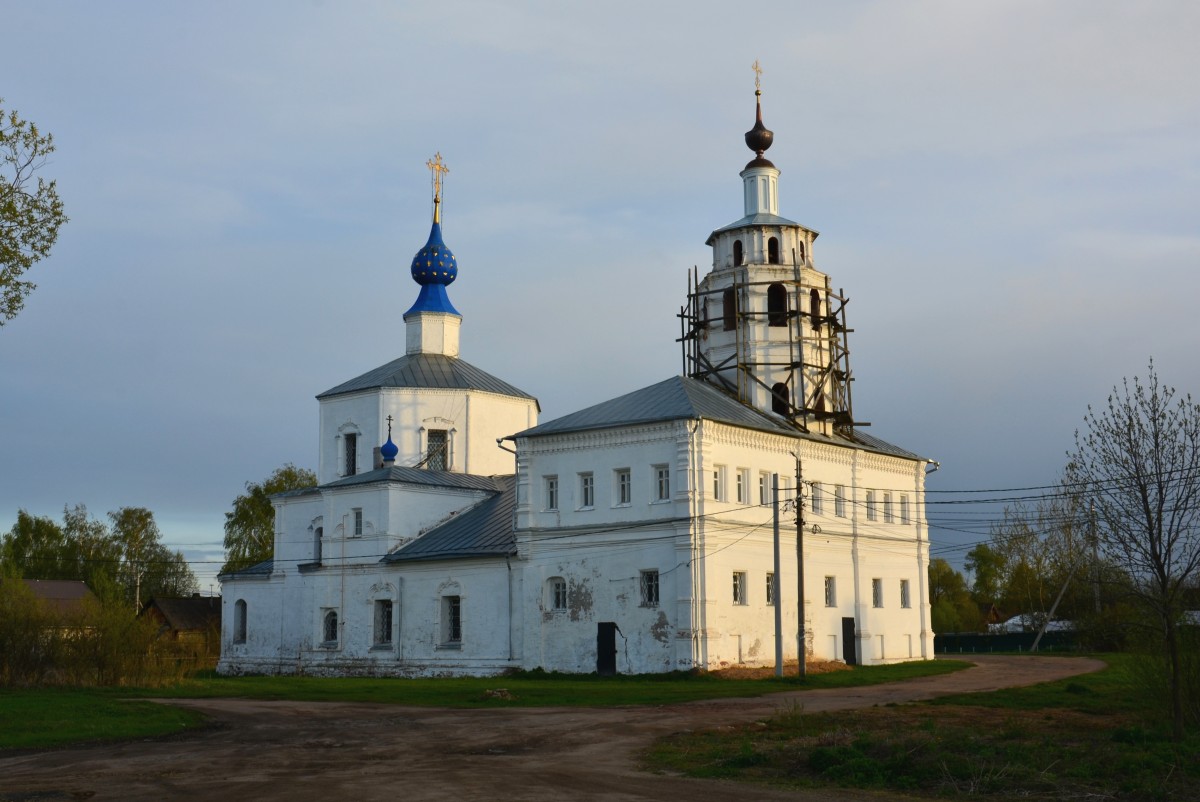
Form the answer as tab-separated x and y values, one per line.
434	371
485	530
760	219
677	398
417	476
255	571
684	398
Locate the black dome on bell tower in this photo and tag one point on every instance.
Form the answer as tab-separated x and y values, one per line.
759	138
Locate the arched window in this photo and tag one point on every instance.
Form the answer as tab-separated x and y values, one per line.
737	252
729	309
773	251
776	305
814	308
801	250
556	592
781	399
239	621
331	627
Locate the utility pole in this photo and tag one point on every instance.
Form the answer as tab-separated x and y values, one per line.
775	586
800	634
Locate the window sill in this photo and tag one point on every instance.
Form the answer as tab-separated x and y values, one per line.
660	501
449	647
383	647
622	504
304	568
329	646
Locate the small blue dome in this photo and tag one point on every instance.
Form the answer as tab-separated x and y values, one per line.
434	264
389	450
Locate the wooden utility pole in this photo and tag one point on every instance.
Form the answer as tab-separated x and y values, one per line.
800	634
775	585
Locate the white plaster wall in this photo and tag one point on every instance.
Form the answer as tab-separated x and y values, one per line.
474	419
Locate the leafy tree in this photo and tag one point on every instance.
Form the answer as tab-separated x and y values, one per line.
29	216
951	606
989	570
1139	460
250	526
148	568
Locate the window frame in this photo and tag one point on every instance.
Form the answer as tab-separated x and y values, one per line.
662	484
877	593
872	513
720	485
831	591
905	595
349	453
557	588
650	588
383	636
839	501
587	490
330	625
623	482
550	493
357	514
432	461
816	502
740	589
905	513
771	588
451	621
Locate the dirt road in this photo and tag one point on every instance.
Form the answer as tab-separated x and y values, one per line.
300	750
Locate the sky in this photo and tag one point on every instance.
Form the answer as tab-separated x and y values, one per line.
1005	190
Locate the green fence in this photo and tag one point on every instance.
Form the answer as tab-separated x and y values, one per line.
980	643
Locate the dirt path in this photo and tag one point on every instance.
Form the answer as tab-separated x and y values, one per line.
300	750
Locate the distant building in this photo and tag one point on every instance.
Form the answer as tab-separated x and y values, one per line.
64	597
451	533
192	622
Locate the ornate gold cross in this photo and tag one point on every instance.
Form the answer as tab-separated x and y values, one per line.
758	71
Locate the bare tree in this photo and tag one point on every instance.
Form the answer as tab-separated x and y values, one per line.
1139	460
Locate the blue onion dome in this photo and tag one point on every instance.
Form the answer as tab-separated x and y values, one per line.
434	264
389	450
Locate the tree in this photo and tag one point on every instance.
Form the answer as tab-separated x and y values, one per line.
989	569
29	217
250	526
148	568
951	606
1139	460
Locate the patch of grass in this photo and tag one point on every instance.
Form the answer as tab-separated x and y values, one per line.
58	716
1085	737
39	718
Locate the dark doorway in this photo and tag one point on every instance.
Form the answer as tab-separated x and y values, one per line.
848	642
606	648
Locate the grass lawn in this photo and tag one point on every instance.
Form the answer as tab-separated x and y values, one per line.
54	716
1091	736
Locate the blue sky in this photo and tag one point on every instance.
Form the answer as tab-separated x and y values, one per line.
1006	191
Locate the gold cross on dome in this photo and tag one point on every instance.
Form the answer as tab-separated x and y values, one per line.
437	167
758	71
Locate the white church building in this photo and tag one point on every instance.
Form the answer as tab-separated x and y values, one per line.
452	533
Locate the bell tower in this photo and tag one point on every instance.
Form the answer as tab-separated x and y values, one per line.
764	324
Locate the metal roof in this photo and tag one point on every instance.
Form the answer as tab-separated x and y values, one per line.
760	219
263	568
435	371
677	398
685	398
485	530
417	476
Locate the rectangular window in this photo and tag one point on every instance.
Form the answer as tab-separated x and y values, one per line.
587	491
383	622
830	591
739	587
551	492
818	504
437	452
876	592
770	590
887	508
870	505
558	589
904	519
839	501
358	522
451	619
743	483
624	486
649	583
904	600
662	483
764	489
351	464
719	483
